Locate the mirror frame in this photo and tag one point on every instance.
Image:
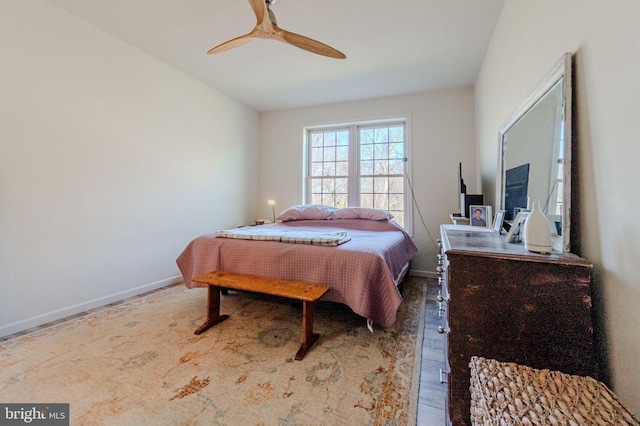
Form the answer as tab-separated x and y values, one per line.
561	70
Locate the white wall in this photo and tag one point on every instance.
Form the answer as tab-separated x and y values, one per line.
605	39
442	135
110	163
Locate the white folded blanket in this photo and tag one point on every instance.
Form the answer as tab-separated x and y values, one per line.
286	236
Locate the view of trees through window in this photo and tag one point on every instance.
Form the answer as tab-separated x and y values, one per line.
329	168
359	166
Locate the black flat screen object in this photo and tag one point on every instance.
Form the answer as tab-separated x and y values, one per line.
472	200
462	188
516	186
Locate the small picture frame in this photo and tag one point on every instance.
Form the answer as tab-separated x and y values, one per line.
516	227
499	220
480	216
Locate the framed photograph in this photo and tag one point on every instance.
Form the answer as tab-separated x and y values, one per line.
515	232
499	219
480	216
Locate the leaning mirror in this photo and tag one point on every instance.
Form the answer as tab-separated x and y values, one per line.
535	154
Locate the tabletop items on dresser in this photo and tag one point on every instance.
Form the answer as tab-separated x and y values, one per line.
458	219
501	301
537	233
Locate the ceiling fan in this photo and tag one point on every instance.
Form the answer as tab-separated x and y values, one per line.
267	28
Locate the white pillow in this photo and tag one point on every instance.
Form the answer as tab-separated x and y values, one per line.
307	212
361	213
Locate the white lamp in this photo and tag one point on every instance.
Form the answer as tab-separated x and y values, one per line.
272	203
537	234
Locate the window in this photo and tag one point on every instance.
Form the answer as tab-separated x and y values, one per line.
360	165
329	167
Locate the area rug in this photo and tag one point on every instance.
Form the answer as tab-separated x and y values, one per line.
139	363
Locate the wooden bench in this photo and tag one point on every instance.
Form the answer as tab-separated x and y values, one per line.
305	292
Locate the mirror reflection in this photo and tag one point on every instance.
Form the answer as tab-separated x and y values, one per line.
535	154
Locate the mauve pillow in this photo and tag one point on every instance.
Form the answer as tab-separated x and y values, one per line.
307	212
361	213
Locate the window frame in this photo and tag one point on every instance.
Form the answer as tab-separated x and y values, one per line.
354	174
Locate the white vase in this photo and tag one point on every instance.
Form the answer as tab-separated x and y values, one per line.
537	234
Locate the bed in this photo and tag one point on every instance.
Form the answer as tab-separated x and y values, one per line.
362	271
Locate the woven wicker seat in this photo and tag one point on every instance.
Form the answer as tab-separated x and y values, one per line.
512	394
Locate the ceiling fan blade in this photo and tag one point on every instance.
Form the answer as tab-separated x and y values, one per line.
260	9
308	44
230	44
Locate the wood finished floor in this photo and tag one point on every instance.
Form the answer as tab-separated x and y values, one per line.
432	394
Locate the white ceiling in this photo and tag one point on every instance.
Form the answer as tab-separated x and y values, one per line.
392	47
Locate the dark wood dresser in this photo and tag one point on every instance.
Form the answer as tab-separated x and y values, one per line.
500	301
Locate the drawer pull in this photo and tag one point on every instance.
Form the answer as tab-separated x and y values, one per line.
443	376
440	298
442	330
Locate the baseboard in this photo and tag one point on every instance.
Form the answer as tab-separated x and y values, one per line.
68	311
58	314
424	274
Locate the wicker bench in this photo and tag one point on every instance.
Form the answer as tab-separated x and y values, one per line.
305	292
512	394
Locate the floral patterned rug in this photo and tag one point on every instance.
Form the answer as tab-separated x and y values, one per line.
138	363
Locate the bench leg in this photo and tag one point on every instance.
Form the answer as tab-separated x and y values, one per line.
308	336
213	310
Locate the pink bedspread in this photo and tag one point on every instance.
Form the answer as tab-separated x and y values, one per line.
360	273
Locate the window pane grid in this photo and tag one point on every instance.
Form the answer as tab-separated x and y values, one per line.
328	167
381	169
377	174
329	191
